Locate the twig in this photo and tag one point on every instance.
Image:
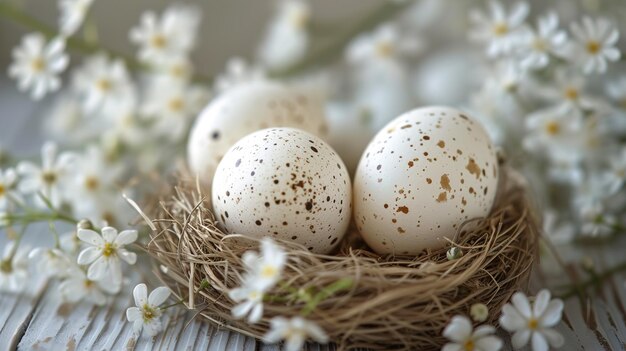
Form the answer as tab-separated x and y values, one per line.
596	280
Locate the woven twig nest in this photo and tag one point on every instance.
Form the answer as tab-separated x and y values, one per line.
396	302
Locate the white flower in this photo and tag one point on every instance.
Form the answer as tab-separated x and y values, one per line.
172	35
264	271
594	44
50	179
286	40
8	191
537	46
616	176
13	268
237	72
102	83
251	298
37	64
533	323
551	131
147	313
499	29
173	106
294	331
50	262
558	233
105	251
77	287
73	14
596	221
386	43
465	338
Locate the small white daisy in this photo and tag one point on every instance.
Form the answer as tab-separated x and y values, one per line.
287	39
77	287
8	191
105	251
533	322
596	221
237	72
386	43
173	107
37	64
616	175
50	179
73	14
568	94
294	332
499	28
13	268
265	270
102	83
250	299
463	337
50	262
146	315
172	35
594	44
537	46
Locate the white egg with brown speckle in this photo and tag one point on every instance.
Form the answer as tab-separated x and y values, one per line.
284	183
243	110
421	177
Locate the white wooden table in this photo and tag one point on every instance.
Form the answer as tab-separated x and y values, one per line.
37	320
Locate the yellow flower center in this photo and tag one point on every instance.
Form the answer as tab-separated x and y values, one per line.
2	190
593	47
253	295
500	29
88	283
108	250
148	312
178	70
49	177
299	19
468	345
104	84
384	49
539	44
92	183
176	104
38	64
571	93
6	267
533	324
159	41
553	128
268	271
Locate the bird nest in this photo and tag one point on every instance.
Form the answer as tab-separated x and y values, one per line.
393	302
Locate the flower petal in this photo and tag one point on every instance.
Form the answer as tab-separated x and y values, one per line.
541	302
89	255
520	301
90	237
140	293
109	234
520	339
451	346
158	296
552	315
459	329
99	269
488	343
539	343
133	314
127	256
126	237
511	319
555	339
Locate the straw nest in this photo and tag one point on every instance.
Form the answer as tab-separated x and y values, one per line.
399	302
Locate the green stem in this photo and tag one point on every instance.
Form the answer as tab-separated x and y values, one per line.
595	280
332	51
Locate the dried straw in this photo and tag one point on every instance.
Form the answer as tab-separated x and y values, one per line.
400	302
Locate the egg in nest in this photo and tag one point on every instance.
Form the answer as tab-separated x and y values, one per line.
421	177
287	184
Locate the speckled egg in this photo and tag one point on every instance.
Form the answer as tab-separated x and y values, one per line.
284	183
421	177
243	110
